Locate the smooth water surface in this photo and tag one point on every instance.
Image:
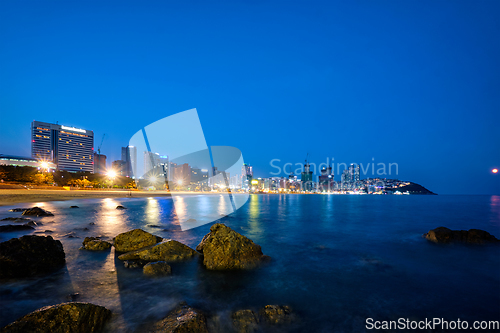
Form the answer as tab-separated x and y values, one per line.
336	259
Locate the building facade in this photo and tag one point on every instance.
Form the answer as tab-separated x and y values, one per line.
70	148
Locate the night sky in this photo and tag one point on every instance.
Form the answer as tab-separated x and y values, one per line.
410	82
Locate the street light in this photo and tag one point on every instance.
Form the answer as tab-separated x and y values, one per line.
44	165
111	174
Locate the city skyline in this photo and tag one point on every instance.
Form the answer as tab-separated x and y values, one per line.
386	81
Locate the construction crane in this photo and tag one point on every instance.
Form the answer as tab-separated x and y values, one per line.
100	145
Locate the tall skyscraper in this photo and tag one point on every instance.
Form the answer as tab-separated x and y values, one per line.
354	173
129	156
70	148
99	163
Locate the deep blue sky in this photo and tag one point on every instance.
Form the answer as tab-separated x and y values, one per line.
410	82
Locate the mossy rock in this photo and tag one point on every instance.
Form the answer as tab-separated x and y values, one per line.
62	318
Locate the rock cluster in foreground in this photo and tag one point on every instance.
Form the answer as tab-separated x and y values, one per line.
63	318
30	255
225	249
472	236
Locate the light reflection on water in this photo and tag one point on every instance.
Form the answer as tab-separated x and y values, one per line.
336	260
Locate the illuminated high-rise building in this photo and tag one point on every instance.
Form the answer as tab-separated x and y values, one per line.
70	148
129	156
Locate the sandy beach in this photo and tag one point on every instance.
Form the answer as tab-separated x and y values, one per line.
10	197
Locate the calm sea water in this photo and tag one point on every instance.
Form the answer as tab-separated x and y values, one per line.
337	260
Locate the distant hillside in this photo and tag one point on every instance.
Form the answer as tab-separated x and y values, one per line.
413	188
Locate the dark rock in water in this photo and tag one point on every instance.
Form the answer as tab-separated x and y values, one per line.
169	250
82	229
472	236
157	268
49	231
73	297
37	211
245	321
134	240
34	224
92	223
18	210
95	244
134	263
153	226
182	319
71	235
15	227
224	248
74	207
277	314
30	255
121	207
16	219
66	317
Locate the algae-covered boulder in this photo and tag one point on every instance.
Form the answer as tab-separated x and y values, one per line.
473	236
277	314
37	211
134	240
224	248
30	255
157	268
62	318
95	244
245	321
169	250
182	319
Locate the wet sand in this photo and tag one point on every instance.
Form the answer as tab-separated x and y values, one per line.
10	197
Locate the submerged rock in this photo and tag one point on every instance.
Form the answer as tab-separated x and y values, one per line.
134	240
245	321
74	207
157	268
30	255
182	318
277	314
121	207
37	211
18	210
473	236
224	248
134	263
95	244
15	227
65	317
169	250
16	219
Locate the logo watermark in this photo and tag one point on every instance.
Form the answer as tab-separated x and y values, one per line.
171	154
430	324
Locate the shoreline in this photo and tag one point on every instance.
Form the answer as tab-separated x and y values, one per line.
9	197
